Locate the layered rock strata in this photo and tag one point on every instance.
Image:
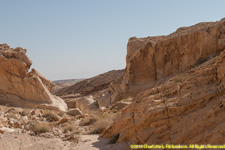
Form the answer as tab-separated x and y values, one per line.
186	109
178	86
152	60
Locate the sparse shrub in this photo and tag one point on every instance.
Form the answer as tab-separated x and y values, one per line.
69	127
25	112
39	127
103	122
50	117
100	126
89	120
114	138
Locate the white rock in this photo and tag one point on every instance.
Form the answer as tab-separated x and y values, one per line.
8	130
74	112
24	120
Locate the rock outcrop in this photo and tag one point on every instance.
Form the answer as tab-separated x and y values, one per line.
187	109
152	60
22	88
182	88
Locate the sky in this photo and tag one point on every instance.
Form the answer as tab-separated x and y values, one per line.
69	39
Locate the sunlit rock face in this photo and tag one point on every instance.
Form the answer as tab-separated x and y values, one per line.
187	106
152	60
22	88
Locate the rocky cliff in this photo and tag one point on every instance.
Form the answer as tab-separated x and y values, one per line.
22	88
181	86
152	60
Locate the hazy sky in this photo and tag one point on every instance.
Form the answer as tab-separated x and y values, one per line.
82	38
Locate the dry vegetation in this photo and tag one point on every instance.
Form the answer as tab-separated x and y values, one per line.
50	117
70	126
40	127
99	122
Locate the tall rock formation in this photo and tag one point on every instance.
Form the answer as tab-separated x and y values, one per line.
22	88
152	60
187	106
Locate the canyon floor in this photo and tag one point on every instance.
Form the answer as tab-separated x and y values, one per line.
37	129
24	141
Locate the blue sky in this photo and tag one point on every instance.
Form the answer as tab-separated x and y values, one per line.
83	38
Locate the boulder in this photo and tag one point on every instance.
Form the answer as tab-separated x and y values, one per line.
7	130
71	103
63	120
24	120
87	104
74	112
16	124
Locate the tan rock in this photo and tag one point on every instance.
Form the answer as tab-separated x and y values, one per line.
193	116
187	107
16	124
87	104
7	130
3	122
22	88
24	120
153	59
74	112
63	120
71	103
119	105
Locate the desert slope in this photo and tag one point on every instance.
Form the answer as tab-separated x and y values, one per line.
93	84
59	84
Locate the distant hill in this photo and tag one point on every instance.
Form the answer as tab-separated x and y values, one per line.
93	84
59	84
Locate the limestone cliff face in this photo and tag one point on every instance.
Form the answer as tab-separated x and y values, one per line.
186	109
152	60
22	88
180	81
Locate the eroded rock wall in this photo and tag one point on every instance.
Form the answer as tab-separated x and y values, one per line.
22	88
152	60
186	109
